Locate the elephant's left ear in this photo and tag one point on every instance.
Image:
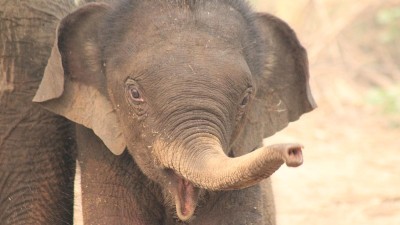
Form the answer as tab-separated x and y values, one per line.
283	92
73	84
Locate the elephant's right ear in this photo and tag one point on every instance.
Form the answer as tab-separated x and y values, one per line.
283	92
73	84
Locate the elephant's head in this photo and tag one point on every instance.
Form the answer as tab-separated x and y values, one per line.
182	85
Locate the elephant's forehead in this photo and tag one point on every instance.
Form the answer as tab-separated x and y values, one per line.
186	39
169	70
185	62
189	47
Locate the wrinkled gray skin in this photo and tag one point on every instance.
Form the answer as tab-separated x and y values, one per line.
173	88
36	149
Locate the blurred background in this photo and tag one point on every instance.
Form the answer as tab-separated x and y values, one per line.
351	173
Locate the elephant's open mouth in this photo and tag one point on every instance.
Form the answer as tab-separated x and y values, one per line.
186	199
185	195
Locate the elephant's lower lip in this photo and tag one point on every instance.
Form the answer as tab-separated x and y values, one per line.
186	199
185	195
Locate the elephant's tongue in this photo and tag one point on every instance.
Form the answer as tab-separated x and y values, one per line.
186	199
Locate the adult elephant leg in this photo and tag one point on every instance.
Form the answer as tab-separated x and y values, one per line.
113	189
36	171
36	146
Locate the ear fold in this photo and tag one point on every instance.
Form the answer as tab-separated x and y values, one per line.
283	92
73	84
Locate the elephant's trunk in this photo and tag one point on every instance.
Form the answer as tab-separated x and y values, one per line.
210	168
205	165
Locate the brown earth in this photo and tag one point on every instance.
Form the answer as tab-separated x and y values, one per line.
351	173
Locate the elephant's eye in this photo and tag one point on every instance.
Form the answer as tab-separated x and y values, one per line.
134	94
246	98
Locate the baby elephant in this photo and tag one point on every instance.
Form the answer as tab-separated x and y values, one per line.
172	99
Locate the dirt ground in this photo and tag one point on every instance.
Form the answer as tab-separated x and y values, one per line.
351	173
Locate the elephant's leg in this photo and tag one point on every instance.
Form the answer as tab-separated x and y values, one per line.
254	205
114	191
36	163
36	171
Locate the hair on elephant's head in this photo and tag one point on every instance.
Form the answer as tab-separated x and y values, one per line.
190	88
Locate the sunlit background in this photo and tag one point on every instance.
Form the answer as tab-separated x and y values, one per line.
351	173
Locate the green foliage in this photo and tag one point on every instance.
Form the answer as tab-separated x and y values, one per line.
255	3
386	98
388	18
